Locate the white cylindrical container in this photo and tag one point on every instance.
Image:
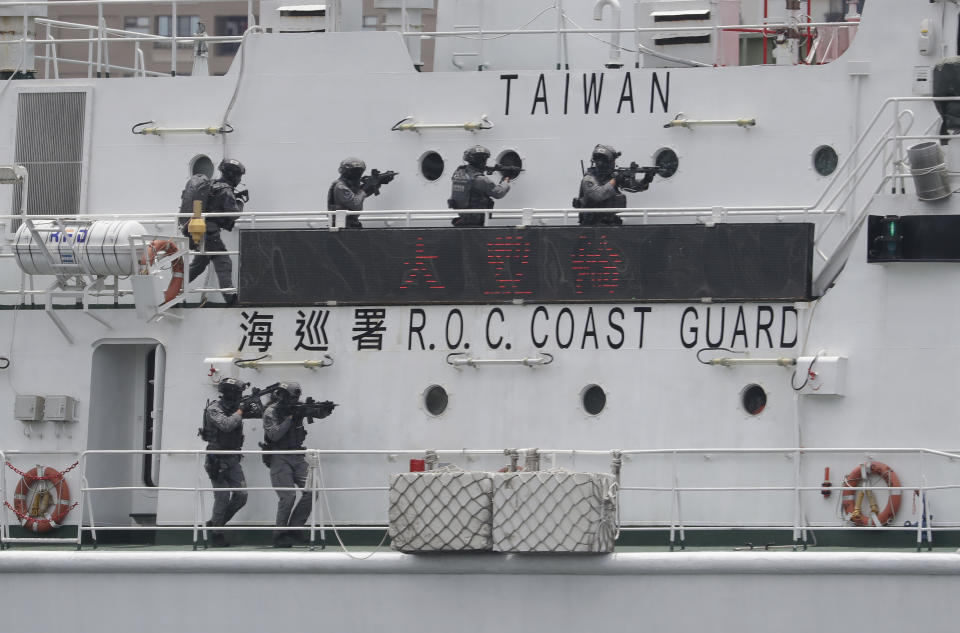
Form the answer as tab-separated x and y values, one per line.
929	171
79	248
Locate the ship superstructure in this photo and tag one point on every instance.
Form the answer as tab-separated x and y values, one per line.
763	348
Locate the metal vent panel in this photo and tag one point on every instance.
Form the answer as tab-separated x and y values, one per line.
50	145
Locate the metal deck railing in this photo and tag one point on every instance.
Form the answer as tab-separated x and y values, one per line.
685	469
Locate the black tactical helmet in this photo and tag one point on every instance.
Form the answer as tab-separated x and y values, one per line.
288	392
476	155
604	156
231	387
352	168
232	170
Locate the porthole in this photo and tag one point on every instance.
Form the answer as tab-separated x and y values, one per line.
668	162
435	399
201	165
431	166
594	399
754	399
825	160
511	159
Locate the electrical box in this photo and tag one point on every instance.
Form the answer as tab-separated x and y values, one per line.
28	408
821	375
59	408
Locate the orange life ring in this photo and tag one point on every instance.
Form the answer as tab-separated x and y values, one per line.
33	517
167	247
852	496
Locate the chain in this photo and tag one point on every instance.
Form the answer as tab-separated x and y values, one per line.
23	516
57	478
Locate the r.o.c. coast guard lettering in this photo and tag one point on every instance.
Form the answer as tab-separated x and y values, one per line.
589	93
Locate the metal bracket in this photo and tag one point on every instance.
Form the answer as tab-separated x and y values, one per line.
680	120
145	129
458	359
409	124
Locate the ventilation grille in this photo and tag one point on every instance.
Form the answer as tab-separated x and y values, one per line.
50	146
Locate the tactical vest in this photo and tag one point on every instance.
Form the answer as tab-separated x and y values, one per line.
217	439
291	440
617	201
461	193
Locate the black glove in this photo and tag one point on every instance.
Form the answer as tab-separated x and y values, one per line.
242	194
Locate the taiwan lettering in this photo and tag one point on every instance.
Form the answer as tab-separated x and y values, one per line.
619	97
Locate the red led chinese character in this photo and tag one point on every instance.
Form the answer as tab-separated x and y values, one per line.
508	254
596	265
421	269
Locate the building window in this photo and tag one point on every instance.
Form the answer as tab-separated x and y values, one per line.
187	25
370	22
140	24
229	25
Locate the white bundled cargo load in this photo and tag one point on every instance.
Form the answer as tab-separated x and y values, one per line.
440	511
554	511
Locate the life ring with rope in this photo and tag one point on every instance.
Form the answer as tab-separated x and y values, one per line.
34	502
852	498
166	247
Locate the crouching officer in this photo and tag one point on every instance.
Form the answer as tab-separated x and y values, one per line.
223	199
283	431
348	192
222	430
600	188
472	189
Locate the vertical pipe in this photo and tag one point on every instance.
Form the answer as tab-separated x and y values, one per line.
765	16
4	534
106	48
480	63
23	53
173	44
46	62
159	380
559	35
99	36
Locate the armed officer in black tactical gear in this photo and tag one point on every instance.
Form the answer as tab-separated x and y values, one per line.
348	192
223	199
223	431
600	188
472	189
284	432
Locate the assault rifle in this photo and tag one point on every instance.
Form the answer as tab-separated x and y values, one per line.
506	171
626	177
311	409
252	404
371	184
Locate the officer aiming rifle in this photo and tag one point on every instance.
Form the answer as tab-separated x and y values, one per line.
603	185
283	431
348	192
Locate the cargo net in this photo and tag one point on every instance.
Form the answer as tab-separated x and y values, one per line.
554	511
440	511
542	511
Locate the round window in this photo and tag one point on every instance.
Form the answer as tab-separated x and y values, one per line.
825	160
201	165
431	166
594	399
513	163
666	159
754	399
435	399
